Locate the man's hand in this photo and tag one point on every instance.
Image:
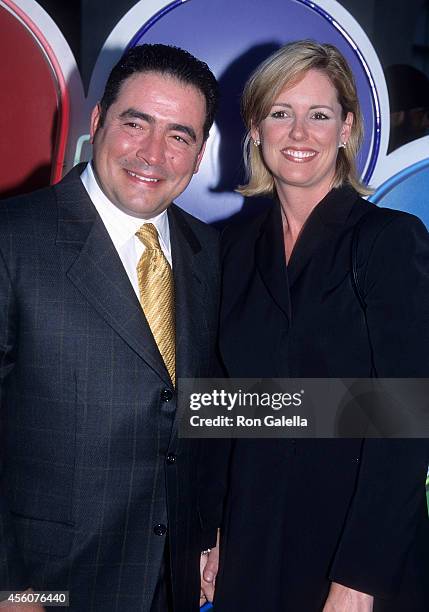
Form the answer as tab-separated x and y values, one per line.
208	570
345	599
7	606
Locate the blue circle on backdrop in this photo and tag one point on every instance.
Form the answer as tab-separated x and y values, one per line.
233	38
410	186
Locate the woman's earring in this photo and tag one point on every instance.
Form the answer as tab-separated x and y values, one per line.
256	143
342	145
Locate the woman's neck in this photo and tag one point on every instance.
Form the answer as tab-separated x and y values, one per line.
297	203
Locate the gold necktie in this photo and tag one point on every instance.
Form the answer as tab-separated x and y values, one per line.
156	287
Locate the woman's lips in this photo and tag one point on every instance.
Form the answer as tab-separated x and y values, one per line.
299	156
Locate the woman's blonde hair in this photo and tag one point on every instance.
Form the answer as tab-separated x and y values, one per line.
286	67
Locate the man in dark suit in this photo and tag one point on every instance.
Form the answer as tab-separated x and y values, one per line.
109	293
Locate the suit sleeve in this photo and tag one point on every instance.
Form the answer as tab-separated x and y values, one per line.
12	571
390	494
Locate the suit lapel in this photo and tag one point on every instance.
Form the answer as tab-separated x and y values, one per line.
188	271
270	259
98	273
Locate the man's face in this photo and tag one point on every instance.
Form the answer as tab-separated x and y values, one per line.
150	144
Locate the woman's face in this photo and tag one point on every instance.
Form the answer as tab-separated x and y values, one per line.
302	132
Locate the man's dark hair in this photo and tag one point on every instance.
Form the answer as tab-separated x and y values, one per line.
164	59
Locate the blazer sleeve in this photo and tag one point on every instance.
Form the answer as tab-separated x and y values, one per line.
214	467
390	493
214	481
213	478
12	570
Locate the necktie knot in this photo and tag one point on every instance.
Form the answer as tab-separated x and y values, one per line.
148	234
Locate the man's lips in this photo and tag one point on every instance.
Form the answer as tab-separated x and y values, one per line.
299	156
143	178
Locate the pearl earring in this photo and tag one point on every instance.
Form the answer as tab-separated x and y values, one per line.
342	145
256	143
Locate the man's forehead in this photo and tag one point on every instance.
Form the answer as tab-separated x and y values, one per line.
150	79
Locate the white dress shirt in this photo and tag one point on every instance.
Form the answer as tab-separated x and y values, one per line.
122	228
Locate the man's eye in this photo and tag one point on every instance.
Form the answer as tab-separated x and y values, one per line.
180	139
320	115
133	125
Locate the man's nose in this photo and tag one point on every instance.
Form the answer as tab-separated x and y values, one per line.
152	149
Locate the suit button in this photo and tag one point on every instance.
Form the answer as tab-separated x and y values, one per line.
160	530
171	458
166	395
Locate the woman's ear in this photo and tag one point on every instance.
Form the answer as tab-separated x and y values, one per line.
254	133
347	127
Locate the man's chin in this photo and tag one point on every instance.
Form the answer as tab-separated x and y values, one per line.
142	209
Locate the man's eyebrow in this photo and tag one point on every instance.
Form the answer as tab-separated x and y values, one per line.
133	113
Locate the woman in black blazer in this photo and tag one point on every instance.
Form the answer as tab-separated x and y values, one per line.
314	525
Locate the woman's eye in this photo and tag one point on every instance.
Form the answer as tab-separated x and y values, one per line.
279	114
320	115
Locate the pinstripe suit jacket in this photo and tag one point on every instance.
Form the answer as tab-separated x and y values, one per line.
92	468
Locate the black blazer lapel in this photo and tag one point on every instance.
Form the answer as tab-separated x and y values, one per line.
271	261
322	224
98	273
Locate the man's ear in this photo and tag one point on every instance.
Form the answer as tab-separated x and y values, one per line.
200	157
95	121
